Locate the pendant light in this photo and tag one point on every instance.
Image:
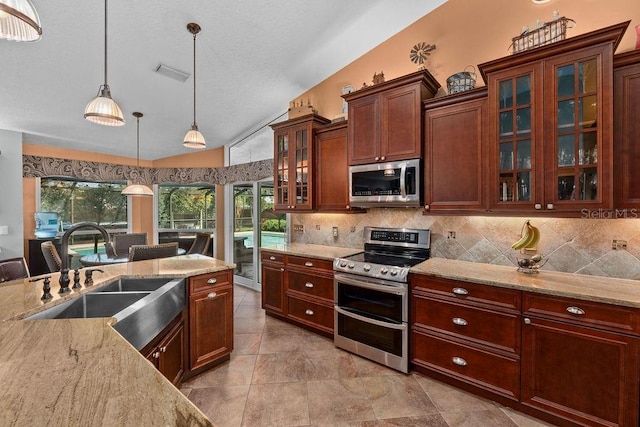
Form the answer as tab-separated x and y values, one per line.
103	110
19	21
193	138
137	189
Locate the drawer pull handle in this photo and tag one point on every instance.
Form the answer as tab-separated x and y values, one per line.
163	349
156	355
281	269
459	361
527	321
272	258
309	312
575	310
308	264
308	285
459	321
460	291
212	295
212	281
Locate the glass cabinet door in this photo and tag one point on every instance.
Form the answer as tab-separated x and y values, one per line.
282	169
302	167
576	131
515	151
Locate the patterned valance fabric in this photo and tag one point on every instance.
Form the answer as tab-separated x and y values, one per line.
40	167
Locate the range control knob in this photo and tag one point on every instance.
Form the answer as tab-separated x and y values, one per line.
351	265
384	270
366	267
394	272
343	264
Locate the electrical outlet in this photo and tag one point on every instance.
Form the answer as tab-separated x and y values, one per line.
335	231
4	229
298	227
619	245
317	226
353	229
451	235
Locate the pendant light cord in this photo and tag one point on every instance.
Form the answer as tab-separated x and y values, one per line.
105	44
194	79
138	143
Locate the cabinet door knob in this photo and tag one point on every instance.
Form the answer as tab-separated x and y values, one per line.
212	295
459	321
272	258
550	206
426	207
156	355
163	349
212	281
460	291
308	264
538	206
575	310
527	321
383	158
377	158
308	285
348	207
309	312
281	269
459	361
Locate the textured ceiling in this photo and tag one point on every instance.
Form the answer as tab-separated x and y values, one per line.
253	57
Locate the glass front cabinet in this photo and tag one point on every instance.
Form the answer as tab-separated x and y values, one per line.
293	162
550	126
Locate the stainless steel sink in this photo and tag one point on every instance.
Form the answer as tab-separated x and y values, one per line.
141	307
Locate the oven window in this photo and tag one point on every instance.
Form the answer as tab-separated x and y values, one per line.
385	339
370	303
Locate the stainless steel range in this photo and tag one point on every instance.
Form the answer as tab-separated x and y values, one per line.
372	296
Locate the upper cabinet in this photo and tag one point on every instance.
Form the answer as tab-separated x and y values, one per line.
385	120
627	133
293	157
550	124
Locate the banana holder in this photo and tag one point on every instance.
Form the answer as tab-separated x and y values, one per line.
529	260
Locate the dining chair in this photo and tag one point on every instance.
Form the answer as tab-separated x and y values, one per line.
122	242
161	250
200	244
13	269
51	256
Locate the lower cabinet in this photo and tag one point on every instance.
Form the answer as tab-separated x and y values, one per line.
299	290
567	361
210	319
166	351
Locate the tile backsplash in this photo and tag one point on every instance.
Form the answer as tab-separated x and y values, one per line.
572	245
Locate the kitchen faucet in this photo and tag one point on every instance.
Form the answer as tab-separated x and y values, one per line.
64	270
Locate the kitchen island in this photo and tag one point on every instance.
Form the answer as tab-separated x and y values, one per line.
81	371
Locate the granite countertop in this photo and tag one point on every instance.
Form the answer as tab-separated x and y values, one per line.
592	288
316	251
81	371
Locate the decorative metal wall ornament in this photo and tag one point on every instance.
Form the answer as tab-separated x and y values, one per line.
420	52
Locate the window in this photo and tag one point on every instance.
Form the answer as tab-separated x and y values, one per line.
185	209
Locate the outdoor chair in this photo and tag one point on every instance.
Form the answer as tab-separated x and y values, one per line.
13	269
200	244
161	250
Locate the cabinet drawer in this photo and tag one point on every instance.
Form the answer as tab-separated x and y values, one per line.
205	282
499	374
587	313
313	314
311	284
271	257
500	330
466	291
310	263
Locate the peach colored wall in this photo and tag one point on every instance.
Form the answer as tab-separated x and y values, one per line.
468	32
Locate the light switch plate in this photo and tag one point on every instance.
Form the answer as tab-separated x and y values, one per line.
4	229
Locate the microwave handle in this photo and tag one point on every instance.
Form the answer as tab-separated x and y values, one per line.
403	181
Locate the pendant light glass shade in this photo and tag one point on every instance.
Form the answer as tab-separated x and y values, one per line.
19	21
137	189
103	110
193	138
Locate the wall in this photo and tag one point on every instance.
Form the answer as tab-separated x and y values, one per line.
468	32
11	245
573	245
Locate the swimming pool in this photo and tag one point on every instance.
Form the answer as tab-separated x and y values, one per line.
268	238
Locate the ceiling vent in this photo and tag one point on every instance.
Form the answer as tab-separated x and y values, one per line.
172	73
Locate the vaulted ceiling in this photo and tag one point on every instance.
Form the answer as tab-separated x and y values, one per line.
253	57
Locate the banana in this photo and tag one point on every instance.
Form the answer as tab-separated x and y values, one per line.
535	238
529	239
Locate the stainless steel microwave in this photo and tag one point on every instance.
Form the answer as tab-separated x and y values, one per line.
385	184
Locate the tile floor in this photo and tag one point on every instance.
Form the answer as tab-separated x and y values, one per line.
282	375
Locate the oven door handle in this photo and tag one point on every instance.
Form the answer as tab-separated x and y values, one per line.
403	180
362	283
365	319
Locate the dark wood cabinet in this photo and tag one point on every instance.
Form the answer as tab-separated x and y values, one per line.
467	333
455	152
210	319
385	120
299	290
550	126
294	162
273	282
575	362
166	351
627	133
